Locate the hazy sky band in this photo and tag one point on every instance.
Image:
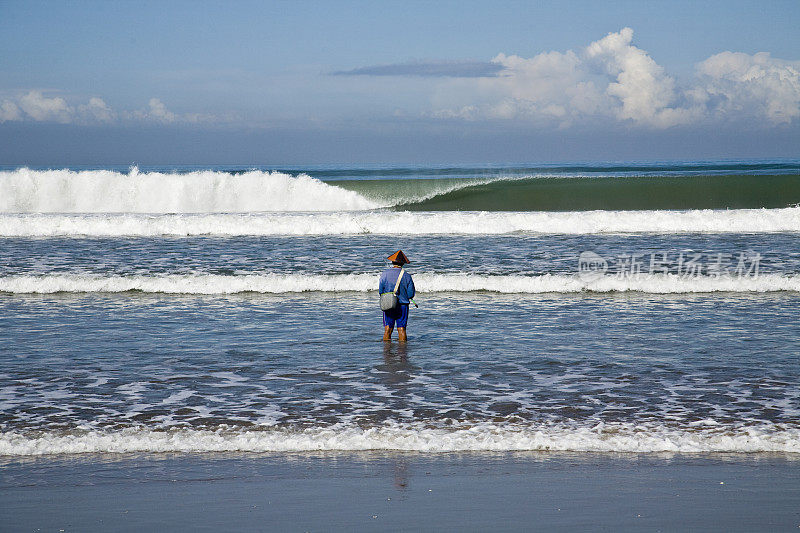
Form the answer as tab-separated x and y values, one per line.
453	69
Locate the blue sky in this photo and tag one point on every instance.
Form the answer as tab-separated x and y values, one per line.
405	82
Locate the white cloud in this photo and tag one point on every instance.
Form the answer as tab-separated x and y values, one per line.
97	110
468	112
41	108
646	94
33	105
759	85
157	111
550	84
9	111
611	79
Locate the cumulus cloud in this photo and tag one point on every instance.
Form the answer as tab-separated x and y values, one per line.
97	110
613	79
35	106
735	83
156	111
645	93
41	108
9	111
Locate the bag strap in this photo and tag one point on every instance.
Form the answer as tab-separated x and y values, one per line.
397	285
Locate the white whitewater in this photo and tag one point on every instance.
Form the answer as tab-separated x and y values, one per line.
411	223
206	191
425	283
602	437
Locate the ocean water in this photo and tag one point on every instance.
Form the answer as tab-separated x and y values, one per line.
585	308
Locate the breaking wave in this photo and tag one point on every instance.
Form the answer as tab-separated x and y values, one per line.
207	191
396	222
603	437
425	283
255	191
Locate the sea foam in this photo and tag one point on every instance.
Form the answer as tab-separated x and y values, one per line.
425	283
397	222
601	437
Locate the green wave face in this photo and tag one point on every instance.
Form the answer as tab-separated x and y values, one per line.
407	192
584	193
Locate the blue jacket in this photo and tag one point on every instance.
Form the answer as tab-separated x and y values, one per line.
406	290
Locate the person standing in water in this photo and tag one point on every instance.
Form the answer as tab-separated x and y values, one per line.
404	290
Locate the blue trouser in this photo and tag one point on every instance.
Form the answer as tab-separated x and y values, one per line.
397	316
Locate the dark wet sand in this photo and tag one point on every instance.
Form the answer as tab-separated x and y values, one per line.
394	492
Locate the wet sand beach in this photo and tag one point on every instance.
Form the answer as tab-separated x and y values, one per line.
402	492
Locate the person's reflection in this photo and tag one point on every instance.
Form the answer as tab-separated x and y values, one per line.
395	358
400	473
396	374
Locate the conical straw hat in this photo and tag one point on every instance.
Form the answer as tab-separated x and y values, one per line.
398	257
